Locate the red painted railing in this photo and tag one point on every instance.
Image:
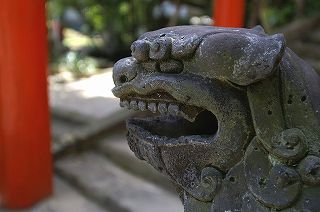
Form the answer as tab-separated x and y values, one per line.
25	158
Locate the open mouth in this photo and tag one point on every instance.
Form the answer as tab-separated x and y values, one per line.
169	119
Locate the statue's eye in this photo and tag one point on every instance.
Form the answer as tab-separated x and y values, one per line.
171	66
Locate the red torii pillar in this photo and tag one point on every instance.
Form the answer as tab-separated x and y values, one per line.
25	158
228	13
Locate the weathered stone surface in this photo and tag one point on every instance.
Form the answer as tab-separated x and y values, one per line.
114	188
239	116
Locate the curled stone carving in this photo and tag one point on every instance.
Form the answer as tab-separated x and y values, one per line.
233	117
309	169
276	186
289	145
204	187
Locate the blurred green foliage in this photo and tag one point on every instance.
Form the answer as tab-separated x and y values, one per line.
312	7
119	22
125	19
276	13
121	19
278	16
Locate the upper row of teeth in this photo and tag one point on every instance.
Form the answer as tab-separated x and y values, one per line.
162	107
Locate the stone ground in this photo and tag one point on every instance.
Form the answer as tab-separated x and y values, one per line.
94	167
83	108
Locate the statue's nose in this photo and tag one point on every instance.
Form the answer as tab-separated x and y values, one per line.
124	70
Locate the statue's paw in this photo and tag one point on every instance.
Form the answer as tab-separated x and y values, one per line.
165	46
165	52
274	185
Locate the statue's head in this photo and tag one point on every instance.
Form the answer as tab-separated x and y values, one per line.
199	86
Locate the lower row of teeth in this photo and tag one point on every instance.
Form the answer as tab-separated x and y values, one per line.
154	107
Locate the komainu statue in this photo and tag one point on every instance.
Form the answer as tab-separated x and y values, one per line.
238	124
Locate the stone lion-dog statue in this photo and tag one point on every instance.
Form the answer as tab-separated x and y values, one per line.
233	117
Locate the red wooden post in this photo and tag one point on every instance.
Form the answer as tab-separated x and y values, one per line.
25	158
228	13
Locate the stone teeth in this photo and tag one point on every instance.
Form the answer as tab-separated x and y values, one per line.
186	116
121	103
142	106
152	107
173	109
125	104
162	108
134	105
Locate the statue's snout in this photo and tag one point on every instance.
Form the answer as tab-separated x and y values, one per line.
124	71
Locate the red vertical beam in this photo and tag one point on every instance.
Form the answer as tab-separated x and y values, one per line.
229	13
25	159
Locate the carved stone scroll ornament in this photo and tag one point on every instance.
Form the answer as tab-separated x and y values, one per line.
238	124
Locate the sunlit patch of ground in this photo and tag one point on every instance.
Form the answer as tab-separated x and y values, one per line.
76	40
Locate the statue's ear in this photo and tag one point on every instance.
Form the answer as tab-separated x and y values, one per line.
258	28
259	59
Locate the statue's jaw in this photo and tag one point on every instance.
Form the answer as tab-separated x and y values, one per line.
169	123
200	130
195	116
